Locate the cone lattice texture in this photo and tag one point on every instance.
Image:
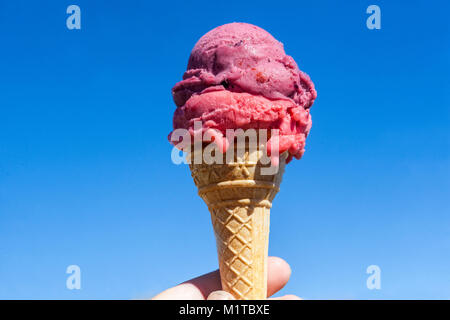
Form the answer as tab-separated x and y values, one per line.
239	196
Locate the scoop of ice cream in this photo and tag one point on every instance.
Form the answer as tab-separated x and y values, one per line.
241	57
221	110
238	76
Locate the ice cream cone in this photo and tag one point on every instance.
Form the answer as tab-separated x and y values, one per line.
239	78
239	197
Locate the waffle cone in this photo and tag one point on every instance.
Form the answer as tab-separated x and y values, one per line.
239	196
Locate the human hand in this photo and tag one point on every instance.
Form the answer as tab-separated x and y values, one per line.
208	286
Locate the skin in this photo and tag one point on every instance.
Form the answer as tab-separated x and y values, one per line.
208	286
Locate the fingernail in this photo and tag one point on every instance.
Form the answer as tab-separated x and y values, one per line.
220	295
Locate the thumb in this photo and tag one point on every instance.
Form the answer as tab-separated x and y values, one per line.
220	295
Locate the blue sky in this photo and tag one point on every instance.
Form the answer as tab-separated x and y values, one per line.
86	176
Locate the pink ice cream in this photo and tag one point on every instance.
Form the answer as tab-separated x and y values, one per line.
238	76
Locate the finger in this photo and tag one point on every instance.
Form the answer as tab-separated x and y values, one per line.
199	288
195	289
287	297
278	274
220	295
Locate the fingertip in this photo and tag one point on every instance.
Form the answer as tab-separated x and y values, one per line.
279	266
279	263
220	295
278	274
